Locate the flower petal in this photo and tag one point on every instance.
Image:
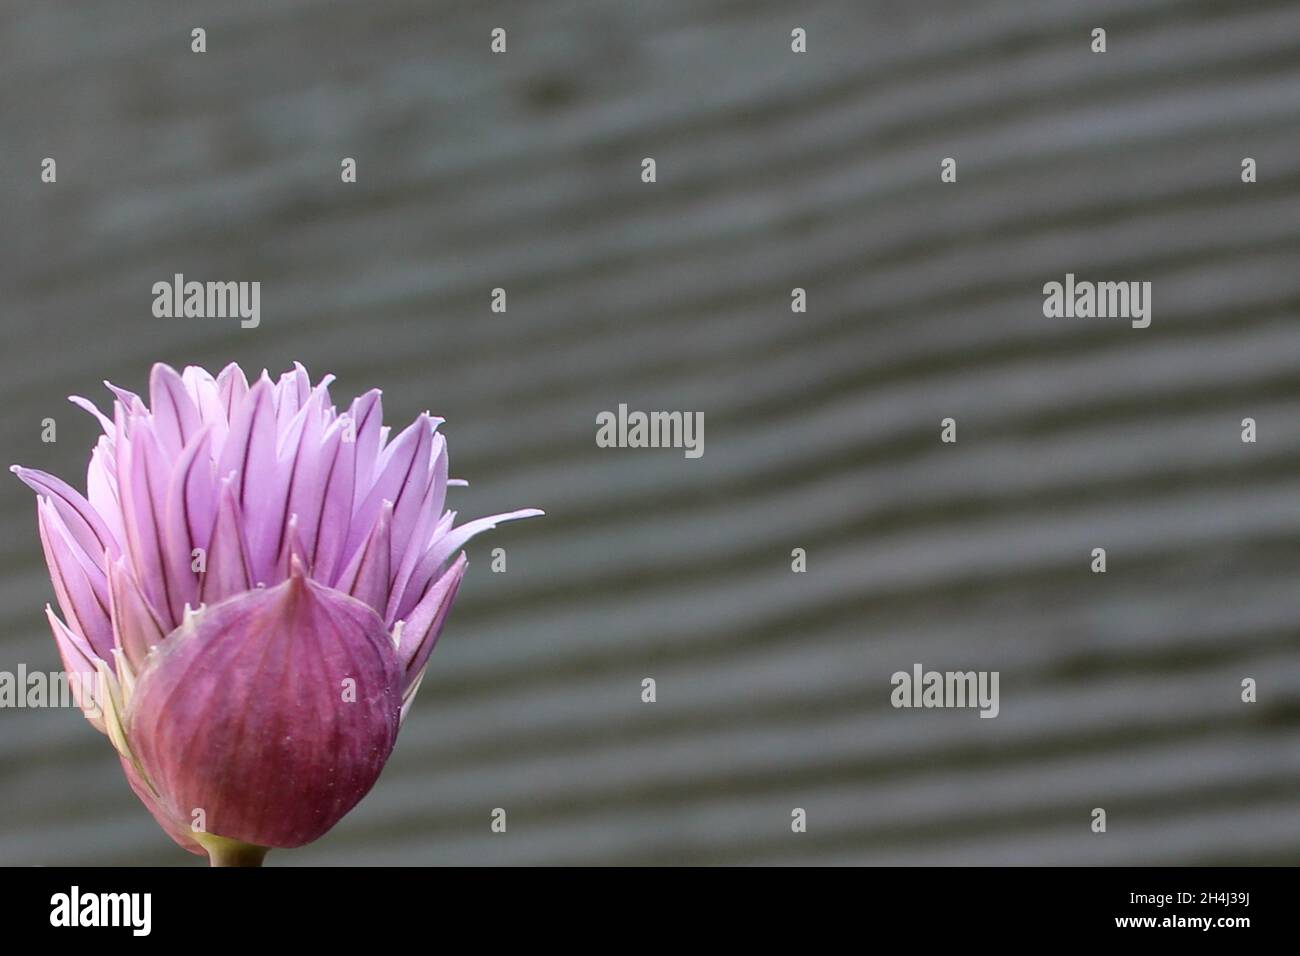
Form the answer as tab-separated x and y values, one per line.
290	395
83	522
403	474
130	401
445	545
422	574
175	417
232	387
408	550
413	506
101	489
192	501
136	626
227	570
80	586
366	576
367	414
300	458
250	452
207	399
87	405
334	520
421	629
143	477
79	663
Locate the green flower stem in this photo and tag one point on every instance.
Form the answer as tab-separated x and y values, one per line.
224	852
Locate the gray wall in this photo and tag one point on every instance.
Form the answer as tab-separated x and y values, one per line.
775	170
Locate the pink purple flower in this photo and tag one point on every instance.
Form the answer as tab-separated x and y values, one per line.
251	588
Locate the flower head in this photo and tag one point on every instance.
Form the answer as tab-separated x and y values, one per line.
251	588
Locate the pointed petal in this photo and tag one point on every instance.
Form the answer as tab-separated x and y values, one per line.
207	399
189	516
250	452
192	496
136	627
408	552
143	477
131	402
101	489
114	709
457	538
228	570
292	552
79	664
366	576
81	588
104	421
413	508
197	379
232	387
367	416
404	464
291	393
300	458
83	522
250	449
421	629
334	520
175	416
423	573
408	695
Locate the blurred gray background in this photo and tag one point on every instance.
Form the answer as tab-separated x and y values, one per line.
822	430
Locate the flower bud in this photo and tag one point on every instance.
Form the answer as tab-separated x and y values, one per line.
272	713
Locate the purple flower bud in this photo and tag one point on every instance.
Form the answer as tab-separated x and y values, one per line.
273	712
255	580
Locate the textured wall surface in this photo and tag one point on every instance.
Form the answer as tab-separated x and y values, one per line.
775	170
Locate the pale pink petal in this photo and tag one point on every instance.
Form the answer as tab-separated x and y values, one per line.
136	625
366	576
228	571
143	475
175	416
82	520
79	664
334	520
81	587
367	415
422	627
